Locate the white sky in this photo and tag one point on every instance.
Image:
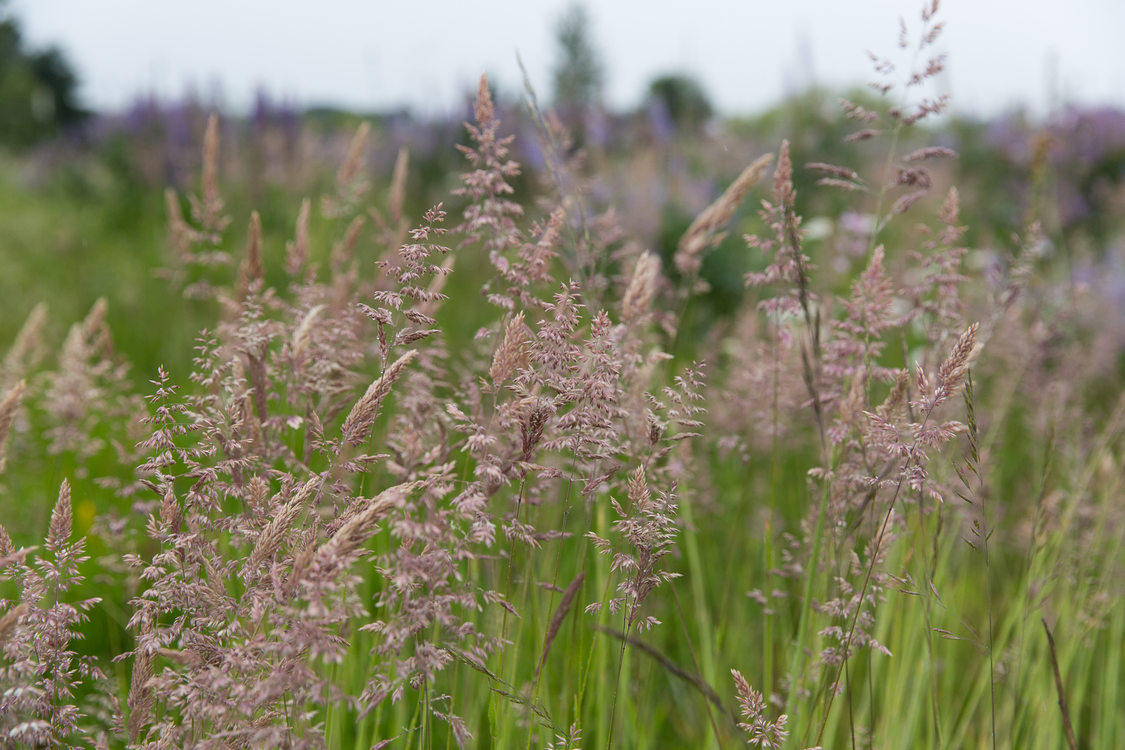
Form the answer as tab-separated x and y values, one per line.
425	54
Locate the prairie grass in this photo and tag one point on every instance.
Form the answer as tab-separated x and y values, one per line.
498	476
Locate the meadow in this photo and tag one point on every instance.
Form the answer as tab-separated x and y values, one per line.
802	430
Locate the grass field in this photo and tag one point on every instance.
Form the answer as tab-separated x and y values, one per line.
797	431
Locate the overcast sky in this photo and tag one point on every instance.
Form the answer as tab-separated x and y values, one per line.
425	54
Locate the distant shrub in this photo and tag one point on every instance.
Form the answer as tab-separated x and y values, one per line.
683	100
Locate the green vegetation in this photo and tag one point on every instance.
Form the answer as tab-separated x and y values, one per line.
353	438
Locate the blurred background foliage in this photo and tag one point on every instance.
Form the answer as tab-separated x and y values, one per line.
84	214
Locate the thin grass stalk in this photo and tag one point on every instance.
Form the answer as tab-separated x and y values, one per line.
810	360
888	165
986	535
553	152
507	598
626	624
768	554
415	721
701	234
1063	709
950	376
531	624
1114	428
1031	557
871	695
1044	558
426	738
695	664
797	660
927	565
597	649
702	611
927	568
1083	653
1109	687
563	609
862	593
1106	692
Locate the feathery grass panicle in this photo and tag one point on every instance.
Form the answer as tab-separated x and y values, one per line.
58	533
844	173
351	184
704	231
844	178
512	352
358	423
10	620
281	525
953	370
650	528
790	265
557	618
761	731
8	408
641	289
950	374
343	250
359	525
569	741
141	700
783	191
490	215
297	251
207	208
43	672
350	168
6	547
88	386
26	350
253	267
926	153
302	334
397	198
179	232
536	257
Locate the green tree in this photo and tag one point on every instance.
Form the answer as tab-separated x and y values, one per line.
38	89
578	71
